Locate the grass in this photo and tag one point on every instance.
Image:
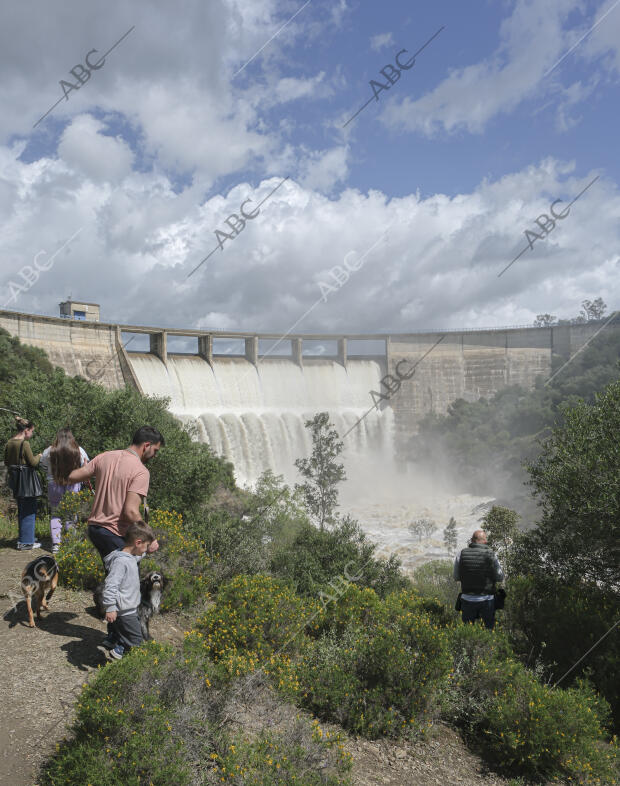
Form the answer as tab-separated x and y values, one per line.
9	530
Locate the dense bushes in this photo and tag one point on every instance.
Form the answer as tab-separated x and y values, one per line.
181	557
576	480
378	667
519	723
268	530
559	622
316	557
434	580
255	616
152	719
107	748
240	530
183	475
372	665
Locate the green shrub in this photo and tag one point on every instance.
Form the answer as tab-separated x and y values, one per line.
180	557
79	564
274	760
377	675
558	622
317	557
545	732
434	580
183	560
153	719
520	724
122	729
255	616
352	605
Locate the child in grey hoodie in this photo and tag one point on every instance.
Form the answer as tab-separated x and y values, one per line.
121	590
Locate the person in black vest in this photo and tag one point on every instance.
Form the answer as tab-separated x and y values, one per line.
478	570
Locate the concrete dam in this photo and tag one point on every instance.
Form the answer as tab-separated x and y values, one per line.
249	393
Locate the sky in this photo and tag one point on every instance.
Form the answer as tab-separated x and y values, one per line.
228	130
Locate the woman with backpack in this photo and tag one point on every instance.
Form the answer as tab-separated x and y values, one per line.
24	481
59	460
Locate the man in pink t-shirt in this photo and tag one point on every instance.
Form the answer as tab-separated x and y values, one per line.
121	484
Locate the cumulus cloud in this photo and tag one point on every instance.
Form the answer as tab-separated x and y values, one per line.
423	262
532	41
133	160
170	81
95	155
322	170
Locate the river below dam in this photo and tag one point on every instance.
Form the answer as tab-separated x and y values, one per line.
386	522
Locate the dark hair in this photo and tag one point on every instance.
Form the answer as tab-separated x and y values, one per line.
138	530
65	456
147	434
21	424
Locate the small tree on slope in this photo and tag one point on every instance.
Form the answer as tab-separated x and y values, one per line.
321	470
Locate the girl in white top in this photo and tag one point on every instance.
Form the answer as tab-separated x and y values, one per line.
59	460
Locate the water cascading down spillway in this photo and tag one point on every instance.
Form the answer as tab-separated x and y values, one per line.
254	415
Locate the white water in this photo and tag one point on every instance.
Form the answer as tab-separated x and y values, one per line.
254	416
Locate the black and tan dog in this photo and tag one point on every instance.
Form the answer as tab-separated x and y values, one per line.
38	578
151	588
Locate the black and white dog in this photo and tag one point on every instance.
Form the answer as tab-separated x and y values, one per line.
151	588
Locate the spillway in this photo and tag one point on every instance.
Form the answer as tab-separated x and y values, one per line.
254	415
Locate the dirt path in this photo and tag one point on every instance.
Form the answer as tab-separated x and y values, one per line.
43	669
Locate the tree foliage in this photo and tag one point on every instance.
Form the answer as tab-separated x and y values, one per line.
449	536
544	320
564	586
593	309
322	471
484	444
577	482
183	475
422	528
500	525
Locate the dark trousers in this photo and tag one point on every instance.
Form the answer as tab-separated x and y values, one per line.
126	630
104	541
479	609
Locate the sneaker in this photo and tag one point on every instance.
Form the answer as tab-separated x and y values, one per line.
28	546
117	652
108	644
55	548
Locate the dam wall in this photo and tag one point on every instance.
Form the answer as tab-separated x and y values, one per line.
251	407
467	365
89	349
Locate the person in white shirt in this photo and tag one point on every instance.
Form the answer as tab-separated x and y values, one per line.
59	460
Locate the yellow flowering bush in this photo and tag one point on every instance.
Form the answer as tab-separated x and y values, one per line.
75	505
79	564
255	616
280	759
356	605
181	556
122	733
545	732
379	674
151	718
518	722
